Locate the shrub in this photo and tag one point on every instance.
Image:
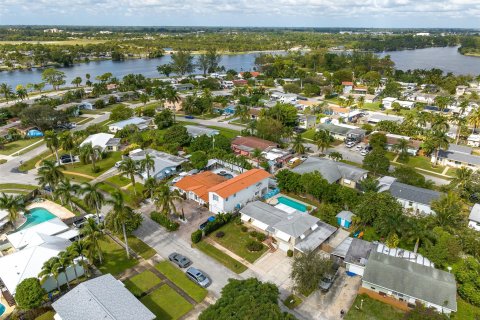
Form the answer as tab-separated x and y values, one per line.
244	229
289	253
220	234
254	246
253	234
237	220
261	236
196	236
220	220
164	221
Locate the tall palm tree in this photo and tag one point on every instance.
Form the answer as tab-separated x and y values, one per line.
164	199
90	152
323	139
6	90
257	154
49	174
62	263
92	235
297	144
402	148
93	197
474	119
435	141
118	217
72	255
49	269
242	111
149	187
79	248
173	97
147	164
14	205
130	168
67	142
463	177
53	142
65	191
439	123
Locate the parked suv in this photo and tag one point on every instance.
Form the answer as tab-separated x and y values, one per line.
328	279
198	277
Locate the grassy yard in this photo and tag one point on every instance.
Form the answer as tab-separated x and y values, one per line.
15	146
30	164
309	134
103	164
466	310
119	180
292	301
229	133
423	163
11	186
77	179
166	304
180	279
221	257
372	310
236	241
375	106
114	258
142	282
46	316
140	247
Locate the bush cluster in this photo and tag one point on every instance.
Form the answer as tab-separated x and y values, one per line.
196	236
254	246
220	220
164	221
220	234
258	235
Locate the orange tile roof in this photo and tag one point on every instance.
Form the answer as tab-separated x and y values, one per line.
240	182
200	183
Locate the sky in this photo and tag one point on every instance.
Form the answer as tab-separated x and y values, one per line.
257	13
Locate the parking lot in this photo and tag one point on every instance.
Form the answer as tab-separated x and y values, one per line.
349	154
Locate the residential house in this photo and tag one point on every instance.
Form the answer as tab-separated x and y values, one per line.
165	164
183	86
410	282
457	156
307	122
101	298
333	171
394	139
105	141
195	187
474	217
357	256
235	193
196	131
342	131
240	83
344	218
246	145
410	197
276	157
347	86
388	102
294	231
473	140
141	123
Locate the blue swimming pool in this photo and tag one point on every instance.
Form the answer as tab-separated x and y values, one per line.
2	309
36	216
292	203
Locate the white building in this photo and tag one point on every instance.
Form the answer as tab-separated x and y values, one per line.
141	123
105	141
238	191
473	140
388	102
474	217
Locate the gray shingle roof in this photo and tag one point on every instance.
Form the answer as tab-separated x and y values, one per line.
459	148
334	129
411	193
342	249
317	237
359	251
102	298
332	171
412	279
460	157
475	213
196	131
345	215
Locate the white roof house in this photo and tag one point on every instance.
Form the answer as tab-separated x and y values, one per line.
31	236
196	131
165	164
101	298
141	123
473	140
102	140
27	263
474	217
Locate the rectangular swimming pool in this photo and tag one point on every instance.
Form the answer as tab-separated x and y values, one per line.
36	216
292	203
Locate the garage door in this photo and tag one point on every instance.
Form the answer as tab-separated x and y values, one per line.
355	269
283	246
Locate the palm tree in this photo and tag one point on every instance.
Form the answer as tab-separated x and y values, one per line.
93	197
402	148
439	123
14	205
118	217
144	98
149	187
130	168
61	264
147	164
6	90
463	178
65	191
88	151
336	156
49	269
92	235
53	143
50	174
257	154
435	141
297	145
67	142
173	97
323	139
164	199
242	111
474	119
75	250
369	185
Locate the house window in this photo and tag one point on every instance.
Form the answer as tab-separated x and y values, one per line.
373	288
226	199
234	195
410	203
215	197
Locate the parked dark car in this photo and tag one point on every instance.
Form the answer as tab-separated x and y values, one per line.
328	279
189	117
179	260
198	277
67	159
203	225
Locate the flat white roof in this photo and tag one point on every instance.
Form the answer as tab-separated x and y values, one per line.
29	236
99	139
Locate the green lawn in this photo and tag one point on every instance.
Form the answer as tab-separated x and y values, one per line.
229	133
46	316
142	282
423	163
114	258
292	301
236	241
30	164
466	310
180	279
77	179
166	304
309	134
11	186
15	146
140	247
226	260
375	106
372	310
103	164
119	180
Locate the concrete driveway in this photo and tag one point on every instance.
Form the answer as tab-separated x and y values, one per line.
275	267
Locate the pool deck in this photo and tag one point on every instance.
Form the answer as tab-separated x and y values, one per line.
56	209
